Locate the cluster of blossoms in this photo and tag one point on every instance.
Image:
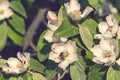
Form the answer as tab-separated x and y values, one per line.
107	50
17	65
64	51
5	11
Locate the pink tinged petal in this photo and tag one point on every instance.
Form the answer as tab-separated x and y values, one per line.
8	13
113	10
74	5
118	61
100	12
114	47
49	36
105	44
97	51
63	65
114	30
103	27
87	11
118	33
58	48
54	57
12	62
63	39
53	25
4	5
107	35
98	36
97	60
51	16
111	20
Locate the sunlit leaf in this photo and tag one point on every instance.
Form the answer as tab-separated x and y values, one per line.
18	23
3	35
18	7
15	37
66	29
77	71
37	66
113	73
37	76
91	25
86	37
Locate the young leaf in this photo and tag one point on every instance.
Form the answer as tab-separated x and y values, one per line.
86	37
16	38
27	76
18	23
113	73
37	66
37	76
66	29
3	34
91	25
18	7
77	71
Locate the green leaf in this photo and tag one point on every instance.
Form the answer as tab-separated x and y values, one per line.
66	29
37	66
51	70
43	48
3	62
16	38
3	35
89	54
18	7
94	3
12	78
18	23
95	72
20	78
86	36
91	25
37	76
79	42
77	71
60	14
82	61
27	76
113	73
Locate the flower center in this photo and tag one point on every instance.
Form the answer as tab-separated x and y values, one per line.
107	53
63	55
20	65
1	11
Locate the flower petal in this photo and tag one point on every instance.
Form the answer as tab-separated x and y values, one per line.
103	27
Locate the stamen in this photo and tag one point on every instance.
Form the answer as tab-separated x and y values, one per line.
63	55
107	53
1	11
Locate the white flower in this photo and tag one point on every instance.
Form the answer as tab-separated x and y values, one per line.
53	25
17	65
118	61
64	53
5	11
108	29
73	10
105	52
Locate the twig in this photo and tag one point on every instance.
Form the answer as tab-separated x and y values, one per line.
31	30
